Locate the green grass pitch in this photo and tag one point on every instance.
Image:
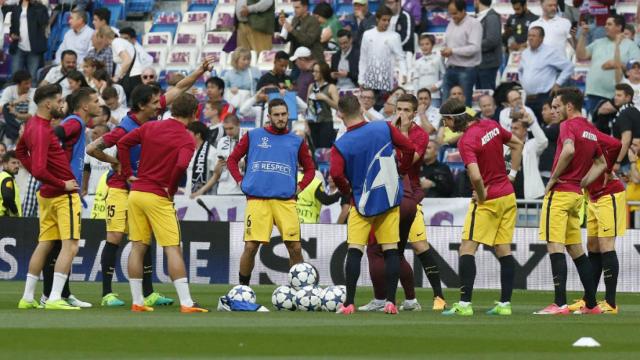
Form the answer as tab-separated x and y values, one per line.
116	333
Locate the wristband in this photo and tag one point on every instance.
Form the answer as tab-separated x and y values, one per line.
513	173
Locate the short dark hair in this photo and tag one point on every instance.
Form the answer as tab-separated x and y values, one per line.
231	119
46	92
460	5
383	10
198	128
11	154
619	20
571	95
109	93
454	107
277	102
303	2
106	111
281	55
631	28
324	10
77	76
102	75
423	90
81	14
540	29
344	33
626	88
129	31
217	82
141	96
521	2
185	106
429	37
410	99
485	2
68	52
20	76
103	14
80	96
349	106
548	102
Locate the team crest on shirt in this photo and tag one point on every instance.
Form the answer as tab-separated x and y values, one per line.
265	143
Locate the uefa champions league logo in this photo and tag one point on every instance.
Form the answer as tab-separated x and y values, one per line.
265	143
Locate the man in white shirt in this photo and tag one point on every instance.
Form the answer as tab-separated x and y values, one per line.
633	80
143	58
94	168
515	111
527	183
78	38
126	59
428	116
58	73
556	28
17	105
111	99
367	99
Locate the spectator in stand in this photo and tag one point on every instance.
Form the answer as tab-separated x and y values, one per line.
322	95
389	108
626	124
215	93
58	74
304	62
360	21
329	24
94	168
76	81
605	54
556	28
78	38
428	114
542	69
633	80
551	131
143	59
402	23
102	80
203	161
367	99
149	76
380	52
630	32
17	105
89	67
445	135
28	39
255	24
487	108
595	14
117	110
436	180
102	17
491	44
429	69
101	51
516	29
129	64
278	76
242	76
463	49
304	30
344	62
527	183
515	110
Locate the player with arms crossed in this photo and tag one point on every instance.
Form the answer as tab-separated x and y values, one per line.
491	217
270	184
59	205
363	165
146	105
578	162
167	148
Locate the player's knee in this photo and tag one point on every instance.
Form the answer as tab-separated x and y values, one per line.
575	250
251	247
114	237
70	246
420	246
593	244
606	244
503	250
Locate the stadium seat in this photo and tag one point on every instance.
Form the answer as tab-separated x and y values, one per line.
438	21
159	55
343	7
223	19
202	5
157	39
197	17
266	59
117	8
190	34
182	58
166	22
217	39
219	56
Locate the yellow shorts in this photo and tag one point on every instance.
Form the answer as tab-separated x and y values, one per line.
150	214
418	230
560	218
59	217
262	214
386	227
491	223
116	201
607	217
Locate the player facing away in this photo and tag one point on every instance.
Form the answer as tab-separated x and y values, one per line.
83	105
167	148
147	103
606	219
491	217
578	162
270	184
363	165
58	200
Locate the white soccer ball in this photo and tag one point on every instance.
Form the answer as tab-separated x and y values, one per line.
284	298
333	296
242	293
308	298
303	275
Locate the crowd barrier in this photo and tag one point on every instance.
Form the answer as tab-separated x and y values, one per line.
212	252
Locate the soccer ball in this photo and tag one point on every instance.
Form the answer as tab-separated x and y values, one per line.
333	296
284	298
302	275
308	298
242	293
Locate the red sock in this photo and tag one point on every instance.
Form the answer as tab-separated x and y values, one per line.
376	270
406	279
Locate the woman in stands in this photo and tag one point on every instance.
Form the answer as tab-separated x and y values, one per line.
102	80
243	76
89	67
322	95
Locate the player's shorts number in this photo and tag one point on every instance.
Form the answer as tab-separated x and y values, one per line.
249	221
111	210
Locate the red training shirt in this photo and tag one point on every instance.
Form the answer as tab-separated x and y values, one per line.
40	152
610	147
167	148
242	148
72	132
117	181
483	144
585	141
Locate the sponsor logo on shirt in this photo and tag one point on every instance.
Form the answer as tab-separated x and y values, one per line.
271	167
589	136
490	135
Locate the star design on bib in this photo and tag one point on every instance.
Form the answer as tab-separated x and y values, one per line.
386	177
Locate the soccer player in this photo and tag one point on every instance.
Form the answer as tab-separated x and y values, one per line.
577	163
491	217
84	105
606	219
147	104
363	164
9	192
59	202
270	183
167	148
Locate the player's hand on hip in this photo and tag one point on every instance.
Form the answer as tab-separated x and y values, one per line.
117	168
71	185
132	179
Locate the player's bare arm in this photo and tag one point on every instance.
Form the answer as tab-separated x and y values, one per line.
186	83
516	147
96	149
598	167
479	191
